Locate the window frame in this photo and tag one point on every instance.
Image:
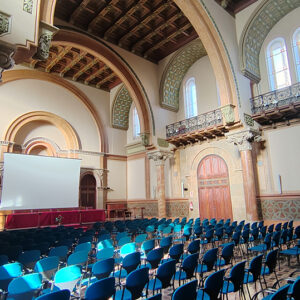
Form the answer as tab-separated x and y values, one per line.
190	103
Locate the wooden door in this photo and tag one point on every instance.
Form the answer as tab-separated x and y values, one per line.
213	188
88	191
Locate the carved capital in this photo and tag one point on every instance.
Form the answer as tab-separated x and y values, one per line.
160	156
46	34
244	139
145	138
228	113
6	60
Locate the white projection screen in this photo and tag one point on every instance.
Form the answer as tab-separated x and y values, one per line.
36	182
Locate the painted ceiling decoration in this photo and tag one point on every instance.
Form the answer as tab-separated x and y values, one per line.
265	17
77	65
175	72
121	108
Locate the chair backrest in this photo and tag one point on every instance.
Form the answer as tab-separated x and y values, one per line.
295	289
176	251
255	266
87	246
105	253
281	293
165	272
29	258
214	283
102	289
24	287
60	251
131	261
58	295
107	243
148	245
271	260
140	238
209	258
127	249
186	291
237	275
124	240
194	246
136	281
155	256
189	264
102	269
47	267
227	253
67	277
8	272
78	258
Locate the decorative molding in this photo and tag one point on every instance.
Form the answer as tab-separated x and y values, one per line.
256	31
162	143
145	136
243	139
28	6
5	24
121	108
160	156
248	120
6	60
175	72
228	113
135	148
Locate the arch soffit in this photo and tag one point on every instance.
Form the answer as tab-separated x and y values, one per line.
103	52
199	17
255	32
175	72
120	109
65	128
12	75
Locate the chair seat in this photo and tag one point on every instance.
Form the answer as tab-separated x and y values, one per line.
265	271
120	273
228	287
201	268
126	296
220	262
180	275
201	295
291	251
248	278
158	285
259	248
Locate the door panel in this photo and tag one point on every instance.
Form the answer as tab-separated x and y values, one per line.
88	191
213	188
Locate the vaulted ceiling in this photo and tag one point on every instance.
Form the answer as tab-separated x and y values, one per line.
151	29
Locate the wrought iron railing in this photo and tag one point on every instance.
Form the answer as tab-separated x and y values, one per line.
202	121
276	98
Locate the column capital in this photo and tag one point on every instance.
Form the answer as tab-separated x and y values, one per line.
160	156
244	138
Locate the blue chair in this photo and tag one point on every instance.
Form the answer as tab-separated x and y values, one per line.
139	239
234	282
29	258
87	246
252	274
102	289
280	294
60	251
187	270
58	295
136	281
8	272
186	291
78	258
226	256
294	290
105	253
207	262
123	240
212	286
147	246
154	257
47	267
163	277
176	252
265	246
269	266
127	249
129	263
25	287
295	251
166	243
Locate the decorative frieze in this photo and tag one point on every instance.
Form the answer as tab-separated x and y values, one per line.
5	23
243	139
248	120
159	156
228	114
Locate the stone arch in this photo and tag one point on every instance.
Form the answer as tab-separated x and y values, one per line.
195	11
65	128
40	143
175	72
13	75
118	65
120	109
255	32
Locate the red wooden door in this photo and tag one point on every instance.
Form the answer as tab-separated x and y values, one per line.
213	188
88	191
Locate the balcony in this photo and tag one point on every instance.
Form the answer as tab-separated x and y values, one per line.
277	106
199	128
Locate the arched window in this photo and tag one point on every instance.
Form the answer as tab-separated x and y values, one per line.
136	124
190	98
296	48
278	67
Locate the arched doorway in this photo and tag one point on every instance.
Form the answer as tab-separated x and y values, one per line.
87	191
213	188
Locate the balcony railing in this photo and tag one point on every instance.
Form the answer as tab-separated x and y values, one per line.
200	122
274	99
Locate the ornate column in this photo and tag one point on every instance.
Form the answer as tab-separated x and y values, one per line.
159	157
243	139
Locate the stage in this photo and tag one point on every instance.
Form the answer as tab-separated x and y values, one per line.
50	218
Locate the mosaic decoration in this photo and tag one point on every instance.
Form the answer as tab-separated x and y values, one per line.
175	72
265	18
248	120
121	108
176	209
27	6
281	209
5	22
151	209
